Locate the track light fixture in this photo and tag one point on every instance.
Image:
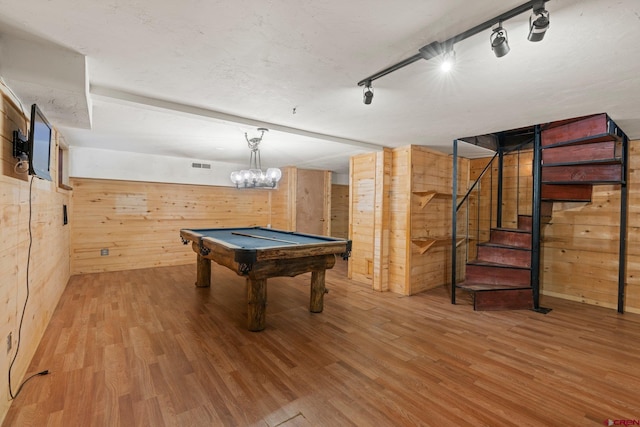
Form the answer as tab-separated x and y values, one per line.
538	22
538	25
499	41
368	93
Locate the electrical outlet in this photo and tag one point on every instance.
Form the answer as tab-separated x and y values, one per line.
9	342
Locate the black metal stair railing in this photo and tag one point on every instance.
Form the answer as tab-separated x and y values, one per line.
481	207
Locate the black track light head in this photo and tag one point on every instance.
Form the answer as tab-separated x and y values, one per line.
538	22
368	93
499	41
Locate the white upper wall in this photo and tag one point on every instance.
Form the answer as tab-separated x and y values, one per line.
127	166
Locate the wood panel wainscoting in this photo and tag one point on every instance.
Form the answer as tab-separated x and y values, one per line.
122	225
34	249
146	347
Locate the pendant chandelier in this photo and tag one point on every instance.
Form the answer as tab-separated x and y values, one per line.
254	177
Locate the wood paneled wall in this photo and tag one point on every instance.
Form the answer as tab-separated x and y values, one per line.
400	228
481	207
370	218
580	244
391	224
633	230
340	211
313	202
283	212
139	222
361	216
49	260
432	172
478	213
382	220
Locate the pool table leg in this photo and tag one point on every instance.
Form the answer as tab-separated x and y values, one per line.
203	275
256	303
316	302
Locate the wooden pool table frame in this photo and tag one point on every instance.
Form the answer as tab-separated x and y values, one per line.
259	264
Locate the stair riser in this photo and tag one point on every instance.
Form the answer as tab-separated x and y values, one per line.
524	222
576	129
582	174
582	153
498	275
567	193
511	238
546	211
515	257
511	299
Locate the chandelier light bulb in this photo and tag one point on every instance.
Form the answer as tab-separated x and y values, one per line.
274	175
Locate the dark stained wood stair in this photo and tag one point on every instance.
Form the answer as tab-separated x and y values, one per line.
500	277
575	155
567	192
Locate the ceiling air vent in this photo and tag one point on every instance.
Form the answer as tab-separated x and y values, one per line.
201	165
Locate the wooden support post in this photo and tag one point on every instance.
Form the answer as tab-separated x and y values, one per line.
203	276
316	299
256	304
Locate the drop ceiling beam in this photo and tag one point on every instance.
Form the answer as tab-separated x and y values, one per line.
115	95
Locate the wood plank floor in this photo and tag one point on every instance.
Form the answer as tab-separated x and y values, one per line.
147	348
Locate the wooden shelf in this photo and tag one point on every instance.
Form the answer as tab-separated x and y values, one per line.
426	243
424	197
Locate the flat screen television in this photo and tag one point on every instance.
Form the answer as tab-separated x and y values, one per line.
39	145
35	149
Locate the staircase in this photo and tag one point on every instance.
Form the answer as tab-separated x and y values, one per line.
575	155
500	278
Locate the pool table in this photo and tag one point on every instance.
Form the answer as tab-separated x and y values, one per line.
259	253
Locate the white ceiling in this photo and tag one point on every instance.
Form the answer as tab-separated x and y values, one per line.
188	78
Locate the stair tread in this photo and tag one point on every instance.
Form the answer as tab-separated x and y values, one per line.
594	182
608	161
476	286
502	245
566	199
496	264
513	230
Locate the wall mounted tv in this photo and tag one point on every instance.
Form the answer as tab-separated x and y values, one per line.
36	149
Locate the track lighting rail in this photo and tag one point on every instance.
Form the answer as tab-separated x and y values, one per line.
436	48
